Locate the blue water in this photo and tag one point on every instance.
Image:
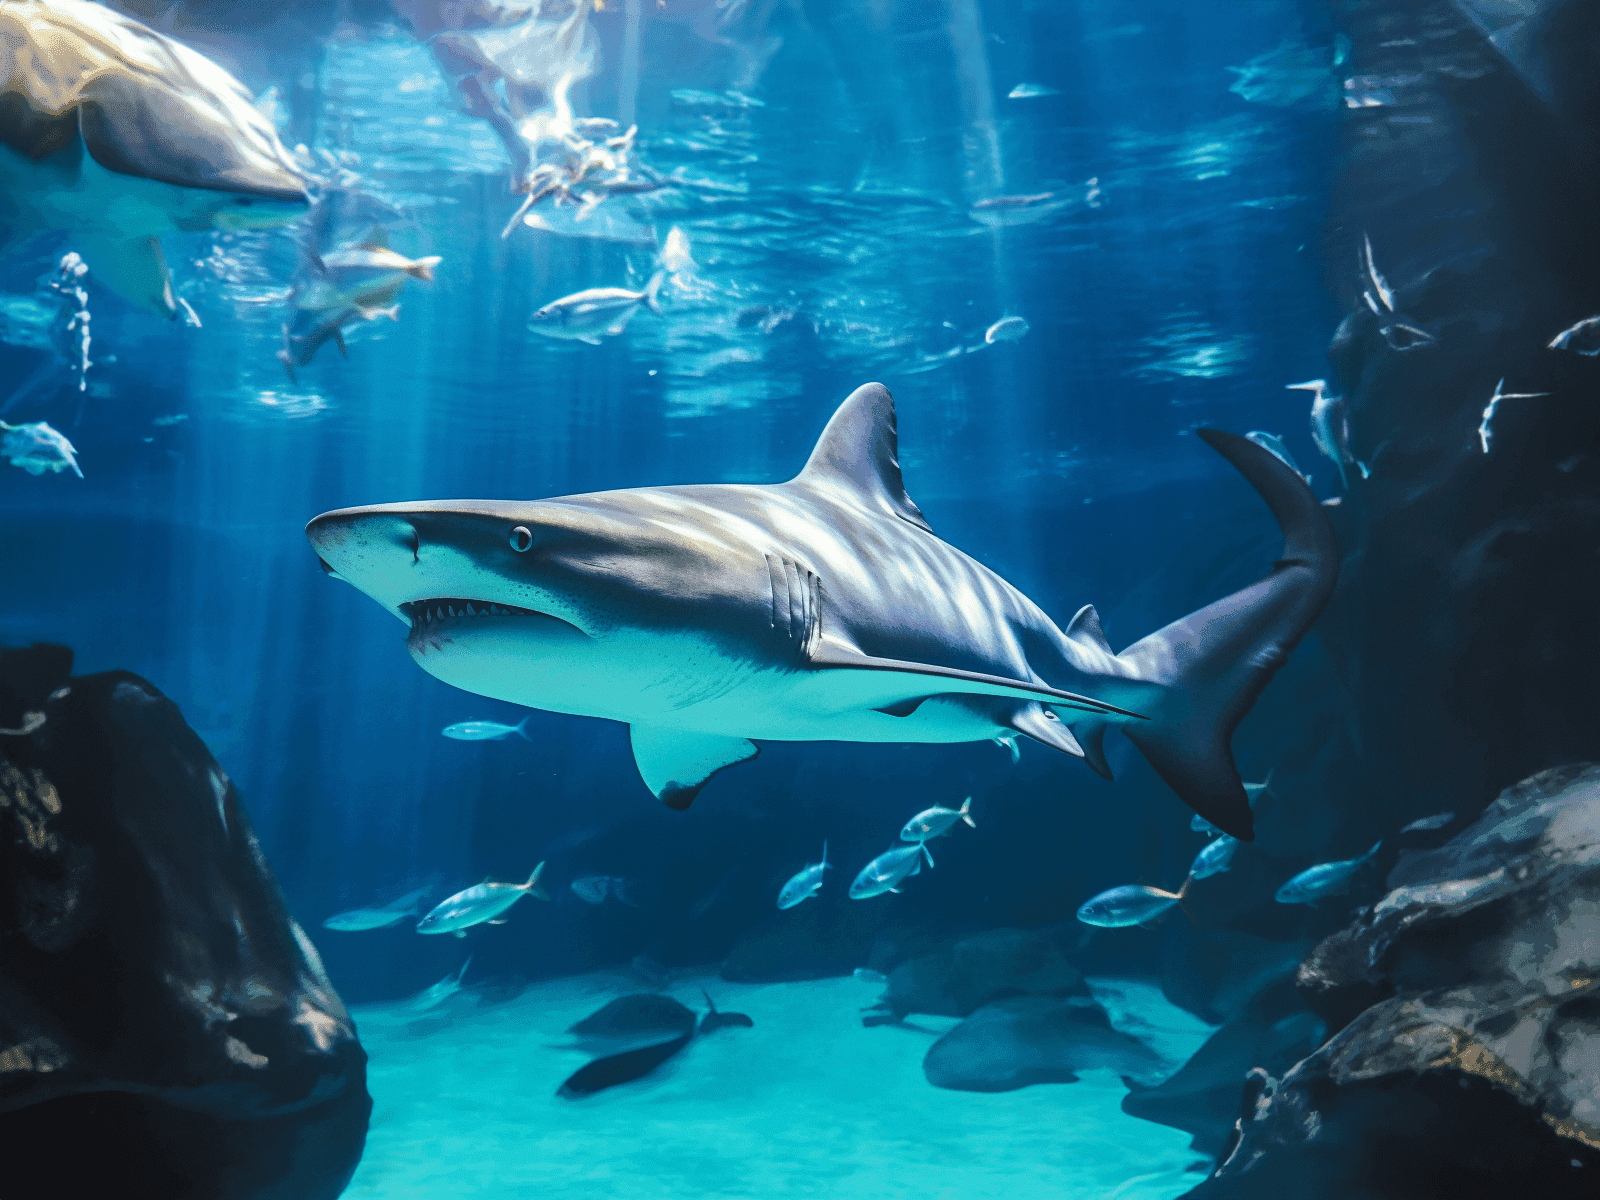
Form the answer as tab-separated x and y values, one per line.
828	203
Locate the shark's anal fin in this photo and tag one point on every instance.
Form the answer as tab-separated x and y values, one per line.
133	268
675	764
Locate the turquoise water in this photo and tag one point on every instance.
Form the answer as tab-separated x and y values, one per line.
832	168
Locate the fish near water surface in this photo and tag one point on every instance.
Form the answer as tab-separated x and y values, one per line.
119	135
475	905
805	883
705	617
595	314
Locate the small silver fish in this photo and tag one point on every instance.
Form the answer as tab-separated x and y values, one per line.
593	889
486	731
1006	329
359	276
936	822
884	873
1274	443
392	913
1429	824
868	975
597	313
485	902
37	448
1330	427
439	992
1324	879
1215	858
1031	91
675	256
805	883
1132	904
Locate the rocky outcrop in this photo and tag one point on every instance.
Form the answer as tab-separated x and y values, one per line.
166	1029
1026	1040
1476	1064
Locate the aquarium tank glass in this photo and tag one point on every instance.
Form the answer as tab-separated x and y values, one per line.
789	598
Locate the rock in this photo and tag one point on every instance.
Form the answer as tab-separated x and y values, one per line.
1202	1097
979	970
1476	1069
1025	1040
165	1026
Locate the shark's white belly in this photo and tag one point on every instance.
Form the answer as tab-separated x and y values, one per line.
687	683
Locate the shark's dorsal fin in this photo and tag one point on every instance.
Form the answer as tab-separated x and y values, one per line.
858	454
1085	629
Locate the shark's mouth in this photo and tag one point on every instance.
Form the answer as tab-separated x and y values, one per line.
428	617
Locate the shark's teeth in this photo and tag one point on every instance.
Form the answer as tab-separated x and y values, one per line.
423	613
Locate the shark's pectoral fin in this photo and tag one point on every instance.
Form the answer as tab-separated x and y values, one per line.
675	764
1091	737
133	268
1042	725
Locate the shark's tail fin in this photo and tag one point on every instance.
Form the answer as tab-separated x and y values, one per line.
650	292
1216	661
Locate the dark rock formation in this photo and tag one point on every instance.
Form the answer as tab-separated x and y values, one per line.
1202	1097
979	970
1475	1069
1025	1040
166	1028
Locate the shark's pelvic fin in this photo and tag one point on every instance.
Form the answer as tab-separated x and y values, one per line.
1216	661
1042	725
133	268
858	456
676	764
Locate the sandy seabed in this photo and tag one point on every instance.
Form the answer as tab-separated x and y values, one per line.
807	1103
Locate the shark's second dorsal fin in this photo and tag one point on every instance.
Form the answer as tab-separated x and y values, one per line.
858	453
1085	629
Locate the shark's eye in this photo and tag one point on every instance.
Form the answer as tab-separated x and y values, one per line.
521	539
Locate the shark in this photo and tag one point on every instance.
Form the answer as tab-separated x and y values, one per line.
119	135
710	618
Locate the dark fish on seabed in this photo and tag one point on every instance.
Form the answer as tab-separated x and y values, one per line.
475	905
441	991
1324	879
392	913
653	1028
1131	904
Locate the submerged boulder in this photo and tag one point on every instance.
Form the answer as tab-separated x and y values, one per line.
1025	1040
1475	1070
166	1029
